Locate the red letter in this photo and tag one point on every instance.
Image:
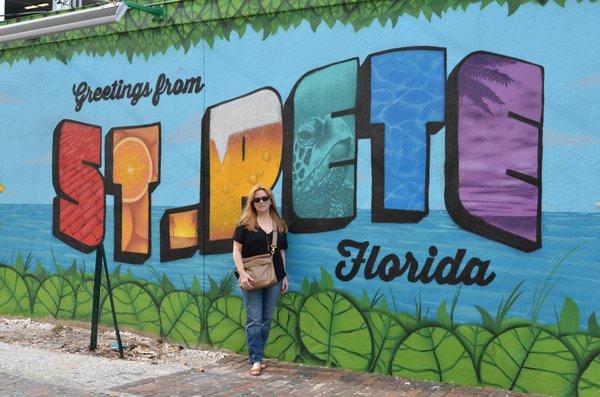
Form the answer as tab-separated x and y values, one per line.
79	203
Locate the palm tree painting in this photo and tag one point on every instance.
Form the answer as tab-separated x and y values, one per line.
476	76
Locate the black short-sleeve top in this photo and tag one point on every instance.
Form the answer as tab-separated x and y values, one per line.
257	243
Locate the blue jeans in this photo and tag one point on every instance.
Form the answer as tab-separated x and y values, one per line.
260	305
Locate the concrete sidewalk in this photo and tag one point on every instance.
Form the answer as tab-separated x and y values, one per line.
30	371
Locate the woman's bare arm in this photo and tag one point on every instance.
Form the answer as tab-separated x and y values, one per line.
285	284
245	279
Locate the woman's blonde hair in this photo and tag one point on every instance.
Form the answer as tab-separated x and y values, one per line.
248	218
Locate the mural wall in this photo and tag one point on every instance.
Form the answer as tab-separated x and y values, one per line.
437	164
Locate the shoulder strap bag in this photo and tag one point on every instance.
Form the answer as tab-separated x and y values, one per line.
261	268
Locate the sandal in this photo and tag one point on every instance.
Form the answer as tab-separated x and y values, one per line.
255	371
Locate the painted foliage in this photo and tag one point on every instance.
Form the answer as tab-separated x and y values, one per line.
405	145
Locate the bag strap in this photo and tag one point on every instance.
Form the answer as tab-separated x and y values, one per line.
273	245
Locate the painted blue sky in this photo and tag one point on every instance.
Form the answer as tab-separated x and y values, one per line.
35	97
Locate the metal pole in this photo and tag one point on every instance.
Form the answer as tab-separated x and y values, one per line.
96	298
112	303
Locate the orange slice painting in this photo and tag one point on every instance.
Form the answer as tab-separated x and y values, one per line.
133	168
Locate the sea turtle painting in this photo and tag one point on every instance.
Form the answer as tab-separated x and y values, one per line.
323	188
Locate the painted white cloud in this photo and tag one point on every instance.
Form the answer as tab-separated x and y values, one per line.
589	81
558	138
188	132
44	159
5	98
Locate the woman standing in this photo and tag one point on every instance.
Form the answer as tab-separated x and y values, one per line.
254	236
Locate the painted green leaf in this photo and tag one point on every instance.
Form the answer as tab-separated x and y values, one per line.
365	302
593	327
438	8
203	306
292	301
387	333
156	291
326	280
33	283
589	382
106	316
583	346
227	322
306	286
166	284
427	12
71	274
213	292
39	272
333	330
195	289
383	304
464	4
434	353
442	315
135	308
529	360
180	318
488	321
569	317
55	297
85	295
407	321
474	337
283	342
14	295
513	5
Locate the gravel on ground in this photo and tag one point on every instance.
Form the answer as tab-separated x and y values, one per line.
58	353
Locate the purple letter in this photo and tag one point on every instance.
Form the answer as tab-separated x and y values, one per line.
494	148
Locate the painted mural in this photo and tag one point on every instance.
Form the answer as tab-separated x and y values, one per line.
437	163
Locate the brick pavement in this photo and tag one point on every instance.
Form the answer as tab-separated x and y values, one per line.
229	377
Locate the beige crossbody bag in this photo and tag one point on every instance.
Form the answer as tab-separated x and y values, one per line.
261	268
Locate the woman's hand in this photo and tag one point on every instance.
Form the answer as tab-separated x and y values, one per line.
245	280
284	285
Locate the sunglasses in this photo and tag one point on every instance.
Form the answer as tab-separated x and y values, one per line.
259	199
